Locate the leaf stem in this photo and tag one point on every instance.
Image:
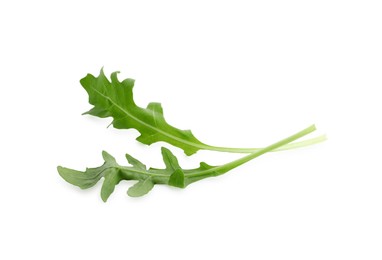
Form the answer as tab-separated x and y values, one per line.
229	166
289	146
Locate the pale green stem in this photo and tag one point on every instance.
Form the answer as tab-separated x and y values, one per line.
289	146
229	166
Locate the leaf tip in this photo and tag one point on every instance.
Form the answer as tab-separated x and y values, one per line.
165	150
65	171
114	77
189	152
141	188
104	197
101	72
105	154
108	158
60	170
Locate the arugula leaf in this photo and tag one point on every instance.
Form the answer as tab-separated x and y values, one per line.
172	174
115	99
141	188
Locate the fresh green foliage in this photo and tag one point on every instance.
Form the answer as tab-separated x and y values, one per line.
172	174
115	99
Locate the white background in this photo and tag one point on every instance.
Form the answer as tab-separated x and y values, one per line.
238	73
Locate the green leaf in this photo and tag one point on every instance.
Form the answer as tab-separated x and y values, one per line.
112	178
170	160
141	188
172	174
85	179
115	99
135	162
